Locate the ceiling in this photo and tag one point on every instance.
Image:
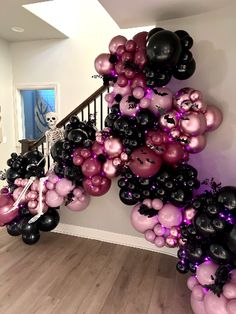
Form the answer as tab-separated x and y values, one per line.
12	13
134	13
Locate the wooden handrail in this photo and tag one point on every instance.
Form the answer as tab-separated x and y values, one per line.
76	111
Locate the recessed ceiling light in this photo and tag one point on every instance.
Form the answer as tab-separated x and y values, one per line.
17	29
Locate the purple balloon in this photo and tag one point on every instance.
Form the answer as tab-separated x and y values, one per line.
205	272
64	187
170	216
116	42
6	203
53	199
163	100
140	222
91	167
128	108
102	64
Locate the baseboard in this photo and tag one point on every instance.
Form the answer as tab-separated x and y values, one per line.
111	237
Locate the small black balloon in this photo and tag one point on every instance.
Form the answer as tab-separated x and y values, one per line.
227	197
12	174
204	226
231	240
219	254
195	255
186	42
48	221
87	143
181	33
33	157
182	268
126	197
184	71
13	228
145	118
77	136
31	238
27	228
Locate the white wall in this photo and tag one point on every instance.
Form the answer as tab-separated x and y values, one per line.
6	102
70	63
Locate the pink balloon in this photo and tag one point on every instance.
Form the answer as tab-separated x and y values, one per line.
33	195
199	105
214	304
113	147
109	97
159	242
214	118
50	185
182	101
35	186
116	42
120	67
138	92
173	153
170	216
32	205
53	199
138	81
169	120
170	241
141	39
229	290
64	187
17	193
34	211
120	50
94	190
96	180
197	306
91	167
196	144
109	169
127	57
53	178
6	203
147	202
97	148
140	58
162	100
193	123
205	272
18	181
144	162
189	213
78	192
85	153
150	236
123	91
102	64
159	230
78	160
157	204
198	293
145	103
140	222
122	80
231	307
79	204
130	45
192	282
128	108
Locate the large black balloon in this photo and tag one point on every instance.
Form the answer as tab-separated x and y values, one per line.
219	254
231	240
27	228
77	136
57	151
13	228
12	174
33	157
164	48
204	225
122	124
183	71
227	197
49	221
145	119
31	238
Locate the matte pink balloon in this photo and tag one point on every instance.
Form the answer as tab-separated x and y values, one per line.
196	144
170	216
161	100
109	97
18	181
53	178
6	203
147	202
193	123
35	186
109	169
33	195
140	222
198	293
79	204
32	204
141	39
78	192
214	118
138	92
102	64
197	306
157	204
214	304
113	147
145	103
205	272
53	199
150	236
116	42
97	148
159	230
144	162
94	190
123	91
231	307
159	242
229	290
50	185
34	211
17	193
91	167
128	108
192	282
173	153
64	187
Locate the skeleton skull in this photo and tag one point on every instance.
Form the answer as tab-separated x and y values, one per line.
51	118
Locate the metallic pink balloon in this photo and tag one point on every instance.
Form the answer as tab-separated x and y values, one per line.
173	153
214	304
120	50
78	160
170	216
97	148
128	108
109	97
50	185
196	144
214	118
127	57
193	124
53	199
171	241
17	193
189	213
6	203
116	42
119	66
24	182
130	45
140	58
33	195
145	103
85	153
195	95
142	223
144	162
122	80
141	39
102	64
205	272
150	236
79	204
64	187
35	186
182	101
159	242
18	181
138	81
94	190
109	169
113	147
192	282
169	120
32	204
91	167
174	232
199	105
78	192
161	100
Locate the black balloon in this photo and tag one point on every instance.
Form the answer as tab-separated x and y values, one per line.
12	174
183	268
57	151
204	225
49	221
231	240
183	71
227	197
31	238
13	228
77	136
33	157
154	31
27	228
219	254
127	197
164	48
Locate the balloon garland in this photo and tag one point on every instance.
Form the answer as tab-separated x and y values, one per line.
149	135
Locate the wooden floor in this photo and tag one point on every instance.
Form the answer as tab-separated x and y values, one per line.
65	275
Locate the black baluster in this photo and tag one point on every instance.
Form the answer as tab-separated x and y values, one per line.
82	114
95	111
101	108
88	111
42	146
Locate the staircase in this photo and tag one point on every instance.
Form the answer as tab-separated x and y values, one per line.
94	105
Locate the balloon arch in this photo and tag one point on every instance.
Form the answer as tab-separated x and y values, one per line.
148	138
